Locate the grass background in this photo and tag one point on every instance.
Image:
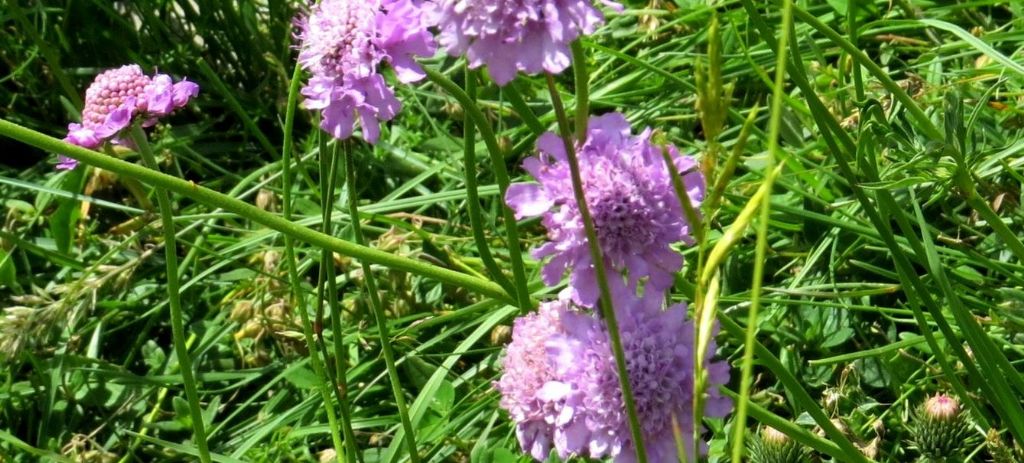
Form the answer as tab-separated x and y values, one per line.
892	270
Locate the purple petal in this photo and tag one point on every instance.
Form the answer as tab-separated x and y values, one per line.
183	92
65	163
158	98
81	136
527	200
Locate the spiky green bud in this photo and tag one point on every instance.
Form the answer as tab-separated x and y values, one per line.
941	430
772	446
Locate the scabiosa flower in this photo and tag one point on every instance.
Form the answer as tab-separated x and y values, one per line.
657	344
116	98
526	370
509	35
629	191
344	42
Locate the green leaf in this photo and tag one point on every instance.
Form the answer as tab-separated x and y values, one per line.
8	274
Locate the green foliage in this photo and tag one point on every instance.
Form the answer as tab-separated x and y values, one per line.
892	266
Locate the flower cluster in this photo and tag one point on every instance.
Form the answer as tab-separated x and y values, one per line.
117	98
532	36
560	382
344	43
629	192
561	387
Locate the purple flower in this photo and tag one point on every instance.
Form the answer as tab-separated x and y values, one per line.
658	347
526	370
516	35
119	96
628	189
343	44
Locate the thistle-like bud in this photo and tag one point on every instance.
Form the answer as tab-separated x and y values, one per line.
772	446
941	429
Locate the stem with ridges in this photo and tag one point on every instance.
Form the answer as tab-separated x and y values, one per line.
607	311
174	298
378	310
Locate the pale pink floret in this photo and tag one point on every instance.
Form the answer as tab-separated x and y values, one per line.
526	369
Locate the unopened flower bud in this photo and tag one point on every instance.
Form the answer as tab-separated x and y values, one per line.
941	430
773	446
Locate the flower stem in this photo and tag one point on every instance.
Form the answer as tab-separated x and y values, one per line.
582	80
214	199
174	298
476	220
378	309
295	283
607	311
760	250
471	109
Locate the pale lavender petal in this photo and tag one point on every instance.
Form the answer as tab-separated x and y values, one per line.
65	163
527	200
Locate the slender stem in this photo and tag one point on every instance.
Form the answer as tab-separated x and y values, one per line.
698	231
500	175
174	298
515	98
852	30
607	311
582	80
760	250
327	289
476	220
293	270
214	199
378	310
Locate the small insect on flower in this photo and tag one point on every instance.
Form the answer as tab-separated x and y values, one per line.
119	97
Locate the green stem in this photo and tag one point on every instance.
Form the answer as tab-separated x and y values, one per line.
378	310
174	299
515	98
214	199
294	282
699	233
476	220
582	80
607	311
501	176
761	247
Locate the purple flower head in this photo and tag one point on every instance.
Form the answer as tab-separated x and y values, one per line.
344	42
526	370
532	36
629	191
658	347
116	98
